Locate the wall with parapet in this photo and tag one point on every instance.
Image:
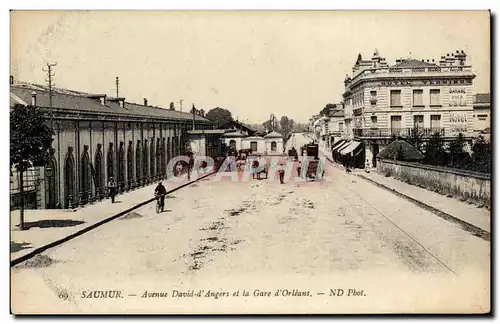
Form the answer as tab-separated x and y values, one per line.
462	184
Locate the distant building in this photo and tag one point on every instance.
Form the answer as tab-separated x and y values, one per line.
423	96
482	111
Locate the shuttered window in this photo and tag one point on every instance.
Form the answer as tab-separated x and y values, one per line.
435	97
418	99
418	121
435	121
395	98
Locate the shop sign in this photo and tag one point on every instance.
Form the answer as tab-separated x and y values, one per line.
458	123
458	97
425	82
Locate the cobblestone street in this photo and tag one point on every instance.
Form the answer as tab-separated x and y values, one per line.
224	229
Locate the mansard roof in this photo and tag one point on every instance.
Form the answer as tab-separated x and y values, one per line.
80	101
411	63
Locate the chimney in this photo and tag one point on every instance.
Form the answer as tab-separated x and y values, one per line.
33	99
101	97
122	102
145	102
11	80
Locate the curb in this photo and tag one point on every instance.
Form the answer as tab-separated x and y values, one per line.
476	231
101	222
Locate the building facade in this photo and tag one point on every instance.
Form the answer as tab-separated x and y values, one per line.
97	137
482	112
408	98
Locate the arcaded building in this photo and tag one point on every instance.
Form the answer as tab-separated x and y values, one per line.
97	137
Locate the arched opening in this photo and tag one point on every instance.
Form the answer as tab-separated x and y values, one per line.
98	172
169	150
130	165
69	180
138	175
51	184
273	146
163	157
158	158
121	167
232	144
145	163
85	176
152	159
110	162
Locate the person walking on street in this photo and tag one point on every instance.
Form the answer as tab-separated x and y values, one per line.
112	189
281	172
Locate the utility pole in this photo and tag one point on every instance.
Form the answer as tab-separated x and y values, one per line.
194	112
50	81
117	82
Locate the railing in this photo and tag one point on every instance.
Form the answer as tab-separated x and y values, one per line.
431	69
404	132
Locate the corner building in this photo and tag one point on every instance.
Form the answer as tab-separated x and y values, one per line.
423	96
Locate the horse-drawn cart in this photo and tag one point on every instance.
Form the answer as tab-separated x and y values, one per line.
315	168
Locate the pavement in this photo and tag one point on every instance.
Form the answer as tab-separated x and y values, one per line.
47	226
451	207
260	236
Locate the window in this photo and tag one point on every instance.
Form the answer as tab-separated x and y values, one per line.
435	121
232	144
435	100
341	127
373	97
395	98
374	122
253	146
482	117
418	98
273	146
418	121
395	125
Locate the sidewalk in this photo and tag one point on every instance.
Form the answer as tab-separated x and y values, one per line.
51	225
447	207
468	213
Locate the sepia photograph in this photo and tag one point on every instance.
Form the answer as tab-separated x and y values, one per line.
185	162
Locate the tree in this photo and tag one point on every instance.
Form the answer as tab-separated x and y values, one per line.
172	106
416	138
481	155
30	141
286	125
434	151
456	149
219	116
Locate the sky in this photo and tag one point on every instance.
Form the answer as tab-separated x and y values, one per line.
254	63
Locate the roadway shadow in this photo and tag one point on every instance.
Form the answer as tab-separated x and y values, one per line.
49	223
117	202
16	247
166	211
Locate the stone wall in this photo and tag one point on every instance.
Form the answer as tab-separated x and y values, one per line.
462	184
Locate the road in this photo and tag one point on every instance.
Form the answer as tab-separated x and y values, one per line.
225	233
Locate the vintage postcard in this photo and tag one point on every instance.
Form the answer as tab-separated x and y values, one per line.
250	162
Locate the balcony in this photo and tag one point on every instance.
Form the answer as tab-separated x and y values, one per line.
403	132
357	111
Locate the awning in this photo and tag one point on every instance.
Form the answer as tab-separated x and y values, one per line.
342	146
337	144
350	148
